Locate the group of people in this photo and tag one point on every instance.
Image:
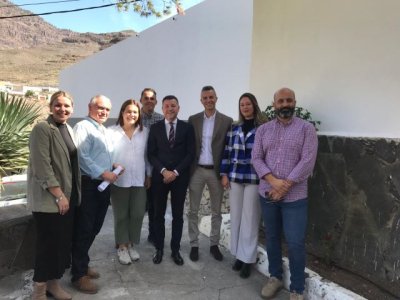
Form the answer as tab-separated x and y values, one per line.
263	165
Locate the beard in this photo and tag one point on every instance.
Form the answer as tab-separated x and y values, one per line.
285	113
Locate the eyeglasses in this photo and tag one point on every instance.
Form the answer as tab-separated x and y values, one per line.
102	108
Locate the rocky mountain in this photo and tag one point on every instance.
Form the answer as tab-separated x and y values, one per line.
32	51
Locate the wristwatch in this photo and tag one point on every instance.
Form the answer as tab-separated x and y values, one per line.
59	198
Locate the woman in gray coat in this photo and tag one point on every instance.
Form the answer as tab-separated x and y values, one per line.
53	192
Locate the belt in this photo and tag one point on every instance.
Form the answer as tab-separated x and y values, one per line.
208	167
88	178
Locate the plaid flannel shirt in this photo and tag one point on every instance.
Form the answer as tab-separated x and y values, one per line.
287	151
236	159
149	120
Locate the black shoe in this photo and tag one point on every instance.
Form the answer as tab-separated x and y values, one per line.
157	257
194	254
237	266
216	253
177	258
245	271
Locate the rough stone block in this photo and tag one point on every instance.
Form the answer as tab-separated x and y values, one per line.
17	236
354	214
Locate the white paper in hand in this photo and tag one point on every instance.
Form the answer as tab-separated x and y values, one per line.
102	186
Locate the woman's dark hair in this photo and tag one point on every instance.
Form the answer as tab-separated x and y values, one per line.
259	118
120	120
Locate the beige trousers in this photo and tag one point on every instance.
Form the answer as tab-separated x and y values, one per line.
198	181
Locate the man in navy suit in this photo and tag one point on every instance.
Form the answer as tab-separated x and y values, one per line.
171	152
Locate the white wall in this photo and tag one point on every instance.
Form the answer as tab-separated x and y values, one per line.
340	56
210	45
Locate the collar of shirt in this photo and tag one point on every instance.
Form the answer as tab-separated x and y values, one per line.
122	131
94	122
206	157
173	122
211	117
284	123
167	126
148	115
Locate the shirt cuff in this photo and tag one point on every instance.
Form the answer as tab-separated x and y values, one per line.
176	172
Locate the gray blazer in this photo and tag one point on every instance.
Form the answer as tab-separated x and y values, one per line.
49	166
221	126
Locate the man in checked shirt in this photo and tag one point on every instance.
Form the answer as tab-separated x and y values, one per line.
283	156
148	99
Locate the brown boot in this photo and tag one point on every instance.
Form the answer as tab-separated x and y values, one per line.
54	289
273	286
39	291
85	285
92	273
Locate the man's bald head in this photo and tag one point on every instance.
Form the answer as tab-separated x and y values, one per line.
284	90
284	104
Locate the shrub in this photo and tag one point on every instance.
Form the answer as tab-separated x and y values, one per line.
300	112
16	119
29	94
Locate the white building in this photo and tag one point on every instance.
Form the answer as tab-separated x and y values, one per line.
339	56
211	44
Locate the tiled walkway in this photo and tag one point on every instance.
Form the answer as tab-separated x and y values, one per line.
205	279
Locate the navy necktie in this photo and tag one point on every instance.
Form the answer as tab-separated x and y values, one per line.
171	136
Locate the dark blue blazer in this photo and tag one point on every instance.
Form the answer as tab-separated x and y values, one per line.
161	155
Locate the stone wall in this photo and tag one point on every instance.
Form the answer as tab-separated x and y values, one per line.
205	208
17	239
354	216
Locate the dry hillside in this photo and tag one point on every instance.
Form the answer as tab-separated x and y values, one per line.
32	51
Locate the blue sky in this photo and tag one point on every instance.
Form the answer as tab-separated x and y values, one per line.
101	20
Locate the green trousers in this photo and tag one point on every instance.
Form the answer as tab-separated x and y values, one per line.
129	205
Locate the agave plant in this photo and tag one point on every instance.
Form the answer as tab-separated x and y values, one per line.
16	119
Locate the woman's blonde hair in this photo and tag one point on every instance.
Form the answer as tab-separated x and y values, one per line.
62	94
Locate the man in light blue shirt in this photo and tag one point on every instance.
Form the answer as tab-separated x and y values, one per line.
94	151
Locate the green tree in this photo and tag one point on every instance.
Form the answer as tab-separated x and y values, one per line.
16	119
147	8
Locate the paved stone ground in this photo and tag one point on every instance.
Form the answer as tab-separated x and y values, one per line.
205	279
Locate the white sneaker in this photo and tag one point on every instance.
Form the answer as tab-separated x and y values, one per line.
133	254
123	256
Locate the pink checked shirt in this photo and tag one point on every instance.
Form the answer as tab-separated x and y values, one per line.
287	152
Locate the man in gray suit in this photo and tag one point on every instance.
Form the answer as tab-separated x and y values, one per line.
210	129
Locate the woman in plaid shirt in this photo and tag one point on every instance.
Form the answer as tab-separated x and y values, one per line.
238	175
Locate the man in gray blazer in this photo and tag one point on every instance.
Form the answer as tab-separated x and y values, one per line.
210	128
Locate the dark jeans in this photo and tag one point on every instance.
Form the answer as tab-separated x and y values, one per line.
150	211
89	219
178	190
291	218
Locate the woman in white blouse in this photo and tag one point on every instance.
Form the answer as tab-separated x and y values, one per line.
128	193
